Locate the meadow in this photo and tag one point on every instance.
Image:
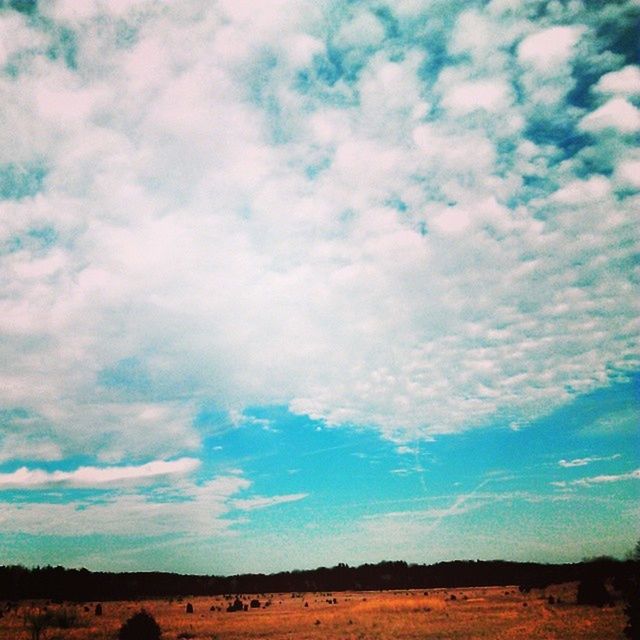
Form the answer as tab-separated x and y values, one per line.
491	612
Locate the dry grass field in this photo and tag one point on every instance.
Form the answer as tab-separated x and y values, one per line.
495	612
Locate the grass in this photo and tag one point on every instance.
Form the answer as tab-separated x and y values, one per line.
479	613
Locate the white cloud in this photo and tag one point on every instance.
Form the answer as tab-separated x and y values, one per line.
603	479
617	113
199	510
95	476
595	189
544	50
628	172
203	512
491	95
261	502
626	81
251	220
582	462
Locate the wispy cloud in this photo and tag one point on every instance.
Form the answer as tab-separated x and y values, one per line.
25	478
603	479
582	462
260	502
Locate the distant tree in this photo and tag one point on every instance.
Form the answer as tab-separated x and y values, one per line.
98	609
140	626
189	608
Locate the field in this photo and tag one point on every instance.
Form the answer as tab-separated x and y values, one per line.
492	612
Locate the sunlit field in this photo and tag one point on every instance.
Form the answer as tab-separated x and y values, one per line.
495	612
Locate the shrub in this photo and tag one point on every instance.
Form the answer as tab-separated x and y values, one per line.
189	608
592	591
236	605
38	621
140	626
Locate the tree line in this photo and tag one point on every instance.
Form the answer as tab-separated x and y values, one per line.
58	583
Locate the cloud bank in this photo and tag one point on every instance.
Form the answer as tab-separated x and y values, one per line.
409	216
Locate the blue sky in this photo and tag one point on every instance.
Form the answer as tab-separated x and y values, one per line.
294	283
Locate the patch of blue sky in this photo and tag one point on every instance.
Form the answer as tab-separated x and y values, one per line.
37	240
19	181
353	472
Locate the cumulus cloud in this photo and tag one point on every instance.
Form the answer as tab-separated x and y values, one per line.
625	82
617	113
308	206
546	49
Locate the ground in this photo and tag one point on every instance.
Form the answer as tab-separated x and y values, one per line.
491	612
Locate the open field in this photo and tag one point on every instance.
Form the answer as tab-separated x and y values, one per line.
492	612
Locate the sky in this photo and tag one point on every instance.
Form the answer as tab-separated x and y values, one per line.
290	283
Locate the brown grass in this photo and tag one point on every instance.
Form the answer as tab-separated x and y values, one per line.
491	613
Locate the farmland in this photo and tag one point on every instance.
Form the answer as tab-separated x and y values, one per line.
468	613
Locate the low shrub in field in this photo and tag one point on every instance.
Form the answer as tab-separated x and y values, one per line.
140	626
594	592
38	621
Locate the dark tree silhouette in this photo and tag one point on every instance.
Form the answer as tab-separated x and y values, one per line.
631	592
140	626
189	608
592	591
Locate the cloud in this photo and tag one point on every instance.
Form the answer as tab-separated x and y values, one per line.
603	479
364	215
490	95
544	50
617	113
581	462
200	510
95	476
626	81
261	502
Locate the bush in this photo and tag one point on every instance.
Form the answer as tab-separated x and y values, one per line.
592	591
38	621
140	626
